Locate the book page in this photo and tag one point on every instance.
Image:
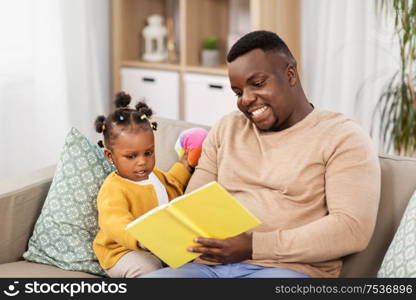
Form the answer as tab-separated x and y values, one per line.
215	212
186	221
145	215
165	236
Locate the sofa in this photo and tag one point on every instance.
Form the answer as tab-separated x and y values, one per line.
22	197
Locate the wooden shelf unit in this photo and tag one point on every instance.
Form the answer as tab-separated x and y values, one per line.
194	20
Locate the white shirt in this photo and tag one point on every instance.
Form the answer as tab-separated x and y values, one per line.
162	194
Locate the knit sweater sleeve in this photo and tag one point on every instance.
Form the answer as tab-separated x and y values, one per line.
113	216
352	191
178	175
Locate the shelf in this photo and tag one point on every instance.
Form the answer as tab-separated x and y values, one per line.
221	70
193	21
150	65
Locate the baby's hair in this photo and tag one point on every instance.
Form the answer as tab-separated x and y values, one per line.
123	118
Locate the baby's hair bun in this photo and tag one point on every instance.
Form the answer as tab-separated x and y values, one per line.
99	124
142	108
122	100
154	126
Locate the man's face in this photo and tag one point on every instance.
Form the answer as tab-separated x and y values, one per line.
262	82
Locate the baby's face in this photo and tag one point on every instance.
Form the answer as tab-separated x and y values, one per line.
133	154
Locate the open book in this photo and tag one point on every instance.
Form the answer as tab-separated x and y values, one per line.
209	211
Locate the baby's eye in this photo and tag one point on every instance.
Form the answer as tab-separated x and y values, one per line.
131	156
149	153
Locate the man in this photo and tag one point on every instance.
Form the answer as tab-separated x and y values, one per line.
312	177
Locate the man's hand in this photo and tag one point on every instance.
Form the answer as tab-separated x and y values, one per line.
231	250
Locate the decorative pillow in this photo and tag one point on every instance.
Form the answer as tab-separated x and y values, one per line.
400	259
67	225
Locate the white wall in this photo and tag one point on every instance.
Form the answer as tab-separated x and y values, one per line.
348	54
54	74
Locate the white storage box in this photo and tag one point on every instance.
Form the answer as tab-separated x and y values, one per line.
159	88
208	98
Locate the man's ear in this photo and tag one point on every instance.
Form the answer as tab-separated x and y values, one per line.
108	155
292	74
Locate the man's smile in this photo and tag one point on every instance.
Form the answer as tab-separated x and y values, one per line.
259	113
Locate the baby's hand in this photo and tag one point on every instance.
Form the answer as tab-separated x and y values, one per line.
190	141
184	160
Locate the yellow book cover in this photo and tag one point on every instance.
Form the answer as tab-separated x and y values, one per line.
209	211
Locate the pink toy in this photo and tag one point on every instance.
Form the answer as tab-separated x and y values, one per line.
191	139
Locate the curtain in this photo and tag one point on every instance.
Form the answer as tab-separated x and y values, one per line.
348	55
54	75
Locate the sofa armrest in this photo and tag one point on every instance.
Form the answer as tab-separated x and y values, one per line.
21	200
397	186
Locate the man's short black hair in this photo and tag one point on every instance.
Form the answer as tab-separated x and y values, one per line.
261	39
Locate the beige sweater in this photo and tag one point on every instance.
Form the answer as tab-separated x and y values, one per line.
315	186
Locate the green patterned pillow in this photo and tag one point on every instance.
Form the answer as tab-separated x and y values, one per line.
68	224
400	259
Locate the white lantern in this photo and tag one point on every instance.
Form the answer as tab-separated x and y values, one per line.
154	35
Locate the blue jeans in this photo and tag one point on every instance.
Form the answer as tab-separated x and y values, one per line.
237	270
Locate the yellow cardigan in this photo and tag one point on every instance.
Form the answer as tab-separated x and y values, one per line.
119	202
